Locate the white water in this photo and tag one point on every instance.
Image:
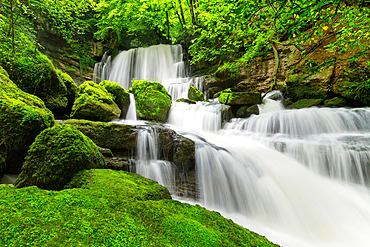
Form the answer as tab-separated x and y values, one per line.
162	63
131	112
299	177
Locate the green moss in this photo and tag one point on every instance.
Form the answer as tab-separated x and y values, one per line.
228	90
152	100
189	101
301	87
110	208
94	102
22	117
70	86
121	96
303	103
56	155
335	102
195	94
240	98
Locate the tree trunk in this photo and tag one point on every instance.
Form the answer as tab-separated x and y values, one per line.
193	20
182	13
168	26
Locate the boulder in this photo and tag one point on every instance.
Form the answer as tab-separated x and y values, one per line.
304	103
247	111
189	101
71	88
56	155
94	102
337	102
152	100
315	86
22	117
240	98
121	95
195	94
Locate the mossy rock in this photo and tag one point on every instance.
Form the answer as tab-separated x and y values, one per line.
227	90
22	117
304	103
213	91
247	111
94	102
240	98
71	87
112	208
121	95
56	155
195	94
2	159
314	86
152	100
189	101
338	102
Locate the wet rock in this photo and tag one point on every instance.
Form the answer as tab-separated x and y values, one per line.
240	98
303	103
247	111
195	94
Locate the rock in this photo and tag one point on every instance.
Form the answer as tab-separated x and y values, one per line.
303	103
94	102
121	138
56	155
354	84
189	101
338	102
212	91
316	86
2	159
247	111
22	117
71	88
240	98
227	90
106	152
152	100
195	94
121	95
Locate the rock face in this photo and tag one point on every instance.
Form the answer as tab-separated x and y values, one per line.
303	103
22	117
56	155
121	139
195	94
247	111
71	89
94	102
152	100
121	96
240	98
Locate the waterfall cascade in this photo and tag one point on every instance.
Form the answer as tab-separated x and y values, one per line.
299	177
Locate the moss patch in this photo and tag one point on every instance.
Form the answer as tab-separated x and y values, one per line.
110	208
56	155
22	117
195	94
303	103
240	98
94	102
152	100
121	95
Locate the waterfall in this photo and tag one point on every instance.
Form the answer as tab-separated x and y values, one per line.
162	63
147	159
131	112
299	177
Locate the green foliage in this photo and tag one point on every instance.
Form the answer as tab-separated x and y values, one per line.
152	100
303	103
94	102
22	118
111	208
57	154
335	102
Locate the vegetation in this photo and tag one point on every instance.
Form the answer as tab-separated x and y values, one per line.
195	94
94	102
22	117
56	155
121	95
152	100
111	208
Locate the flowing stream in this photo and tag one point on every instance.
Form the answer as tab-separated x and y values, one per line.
298	177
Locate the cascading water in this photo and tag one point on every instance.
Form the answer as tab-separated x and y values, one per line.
299	177
161	62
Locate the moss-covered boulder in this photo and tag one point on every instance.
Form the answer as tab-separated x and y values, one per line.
188	101
94	102
247	111
152	100
195	94
71	87
240	98
112	208
56	155
22	117
337	102
121	95
354	83
304	103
